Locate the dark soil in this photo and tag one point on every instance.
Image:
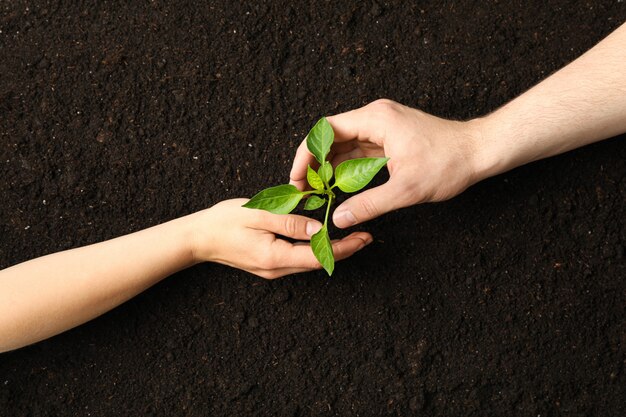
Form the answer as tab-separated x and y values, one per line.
507	300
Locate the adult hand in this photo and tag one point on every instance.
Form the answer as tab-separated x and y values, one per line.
431	159
249	239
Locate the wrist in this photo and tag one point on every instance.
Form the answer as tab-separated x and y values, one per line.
183	232
202	236
487	158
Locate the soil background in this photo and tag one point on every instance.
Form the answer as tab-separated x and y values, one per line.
507	300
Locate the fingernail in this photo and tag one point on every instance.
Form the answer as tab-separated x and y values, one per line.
312	228
344	218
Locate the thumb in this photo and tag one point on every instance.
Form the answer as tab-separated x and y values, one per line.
366	206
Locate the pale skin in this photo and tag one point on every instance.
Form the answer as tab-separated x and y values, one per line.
48	295
434	159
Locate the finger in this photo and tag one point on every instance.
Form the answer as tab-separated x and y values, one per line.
303	158
340	157
368	205
361	152
289	225
346	247
293	258
362	124
342	249
281	272
366	124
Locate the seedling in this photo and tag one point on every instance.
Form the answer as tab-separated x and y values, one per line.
350	176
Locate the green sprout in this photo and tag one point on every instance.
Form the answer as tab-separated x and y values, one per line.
350	176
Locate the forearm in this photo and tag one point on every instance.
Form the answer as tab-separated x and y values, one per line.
48	295
582	103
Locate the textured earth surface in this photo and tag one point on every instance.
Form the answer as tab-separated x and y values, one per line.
507	300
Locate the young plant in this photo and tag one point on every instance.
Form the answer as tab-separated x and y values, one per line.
350	176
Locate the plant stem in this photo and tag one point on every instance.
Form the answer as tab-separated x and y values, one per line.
330	202
313	192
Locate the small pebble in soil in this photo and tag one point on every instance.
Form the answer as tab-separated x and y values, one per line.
253	322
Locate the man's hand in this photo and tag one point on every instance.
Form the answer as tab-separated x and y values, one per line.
431	159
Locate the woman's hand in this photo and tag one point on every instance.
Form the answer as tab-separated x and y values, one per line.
250	239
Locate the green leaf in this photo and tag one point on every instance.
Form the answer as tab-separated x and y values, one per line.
325	172
278	200
323	249
314	202
314	180
319	139
354	174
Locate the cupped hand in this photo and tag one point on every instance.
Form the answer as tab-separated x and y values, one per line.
251	240
431	159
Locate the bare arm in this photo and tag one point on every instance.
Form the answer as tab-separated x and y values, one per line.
48	295
433	159
582	103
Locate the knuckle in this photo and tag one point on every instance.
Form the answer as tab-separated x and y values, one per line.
267	261
385	108
368	207
291	225
383	102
